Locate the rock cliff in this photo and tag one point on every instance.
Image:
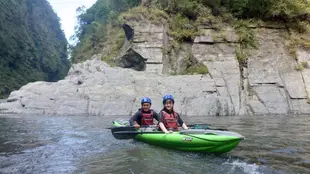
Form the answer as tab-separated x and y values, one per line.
268	84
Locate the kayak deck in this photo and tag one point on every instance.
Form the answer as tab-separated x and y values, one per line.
191	142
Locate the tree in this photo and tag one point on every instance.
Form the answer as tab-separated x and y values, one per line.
33	46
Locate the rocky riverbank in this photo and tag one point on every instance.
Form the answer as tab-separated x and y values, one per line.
270	83
94	88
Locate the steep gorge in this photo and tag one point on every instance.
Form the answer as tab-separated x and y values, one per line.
269	84
220	71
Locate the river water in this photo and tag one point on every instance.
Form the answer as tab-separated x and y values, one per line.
273	144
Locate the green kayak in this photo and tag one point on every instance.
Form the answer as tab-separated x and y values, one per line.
196	140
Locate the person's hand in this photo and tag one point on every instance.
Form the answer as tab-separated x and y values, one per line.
136	126
169	132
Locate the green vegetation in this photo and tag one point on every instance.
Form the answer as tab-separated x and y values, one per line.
116	39
284	10
298	40
246	34
305	64
182	29
299	67
192	65
302	66
247	41
242	56
97	26
33	46
197	69
184	17
155	15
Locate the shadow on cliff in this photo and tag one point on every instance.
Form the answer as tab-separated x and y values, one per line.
128	57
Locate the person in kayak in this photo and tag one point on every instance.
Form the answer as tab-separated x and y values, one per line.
144	116
169	119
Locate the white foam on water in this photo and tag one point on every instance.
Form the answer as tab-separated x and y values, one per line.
245	167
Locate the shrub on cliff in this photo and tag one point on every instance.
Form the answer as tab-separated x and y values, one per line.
262	9
184	15
268	9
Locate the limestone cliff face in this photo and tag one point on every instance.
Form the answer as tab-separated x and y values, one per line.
269	83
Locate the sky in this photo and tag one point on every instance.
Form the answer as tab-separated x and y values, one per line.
66	11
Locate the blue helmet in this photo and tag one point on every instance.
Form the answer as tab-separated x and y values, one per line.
146	100
168	97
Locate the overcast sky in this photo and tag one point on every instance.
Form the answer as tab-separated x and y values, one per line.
65	10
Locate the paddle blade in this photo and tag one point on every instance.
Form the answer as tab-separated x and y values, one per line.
124	136
204	126
198	126
123	133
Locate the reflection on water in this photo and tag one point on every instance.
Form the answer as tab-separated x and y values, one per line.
274	144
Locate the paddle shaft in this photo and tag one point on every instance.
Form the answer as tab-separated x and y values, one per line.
206	126
137	132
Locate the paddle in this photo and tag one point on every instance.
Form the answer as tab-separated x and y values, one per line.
191	126
150	126
204	126
198	126
129	132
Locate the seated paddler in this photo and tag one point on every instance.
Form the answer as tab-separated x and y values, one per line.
169	119
145	115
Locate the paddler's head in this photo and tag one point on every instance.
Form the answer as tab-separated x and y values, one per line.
146	104
168	102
